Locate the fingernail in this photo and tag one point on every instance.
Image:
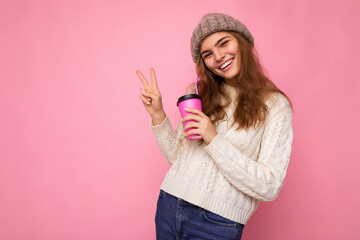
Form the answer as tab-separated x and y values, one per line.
142	91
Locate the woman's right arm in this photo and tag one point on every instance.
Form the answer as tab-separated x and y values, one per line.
167	139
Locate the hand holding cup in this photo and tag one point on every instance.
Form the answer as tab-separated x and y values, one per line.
199	124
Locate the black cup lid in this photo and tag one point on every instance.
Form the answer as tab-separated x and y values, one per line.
186	97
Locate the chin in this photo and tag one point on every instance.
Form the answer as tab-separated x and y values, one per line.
230	76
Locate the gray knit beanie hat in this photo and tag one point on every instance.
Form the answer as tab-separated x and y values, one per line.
216	22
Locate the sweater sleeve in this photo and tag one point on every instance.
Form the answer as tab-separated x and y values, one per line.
167	139
260	178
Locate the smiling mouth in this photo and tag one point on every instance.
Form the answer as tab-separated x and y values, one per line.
227	63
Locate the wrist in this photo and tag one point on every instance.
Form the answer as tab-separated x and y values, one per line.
158	118
210	138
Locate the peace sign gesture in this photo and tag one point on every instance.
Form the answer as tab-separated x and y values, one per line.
151	98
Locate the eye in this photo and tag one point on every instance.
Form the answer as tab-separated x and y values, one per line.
207	55
224	43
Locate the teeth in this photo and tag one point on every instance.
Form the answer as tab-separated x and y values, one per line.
226	64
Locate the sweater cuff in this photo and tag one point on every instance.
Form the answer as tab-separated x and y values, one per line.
216	146
159	128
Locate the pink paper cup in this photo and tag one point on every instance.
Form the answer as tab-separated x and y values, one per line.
189	101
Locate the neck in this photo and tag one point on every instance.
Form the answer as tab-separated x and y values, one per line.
231	82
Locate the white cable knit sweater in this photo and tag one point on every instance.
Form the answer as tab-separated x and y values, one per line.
237	169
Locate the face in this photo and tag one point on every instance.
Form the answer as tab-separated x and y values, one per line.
220	52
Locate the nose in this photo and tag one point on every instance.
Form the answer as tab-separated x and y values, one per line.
219	55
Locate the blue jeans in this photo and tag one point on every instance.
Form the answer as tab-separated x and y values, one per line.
178	219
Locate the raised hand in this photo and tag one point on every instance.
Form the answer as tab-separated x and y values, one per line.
151	98
202	125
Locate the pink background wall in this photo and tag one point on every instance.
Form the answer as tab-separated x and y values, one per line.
78	159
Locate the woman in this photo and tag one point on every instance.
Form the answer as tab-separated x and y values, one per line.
214	185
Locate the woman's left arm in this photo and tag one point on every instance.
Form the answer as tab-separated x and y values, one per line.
262	178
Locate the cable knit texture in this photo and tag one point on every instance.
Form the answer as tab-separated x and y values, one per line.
237	169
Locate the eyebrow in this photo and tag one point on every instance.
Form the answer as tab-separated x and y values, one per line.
216	44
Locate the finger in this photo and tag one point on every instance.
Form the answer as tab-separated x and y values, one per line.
153	78
142	78
191	125
193	132
144	100
148	95
193	117
195	111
